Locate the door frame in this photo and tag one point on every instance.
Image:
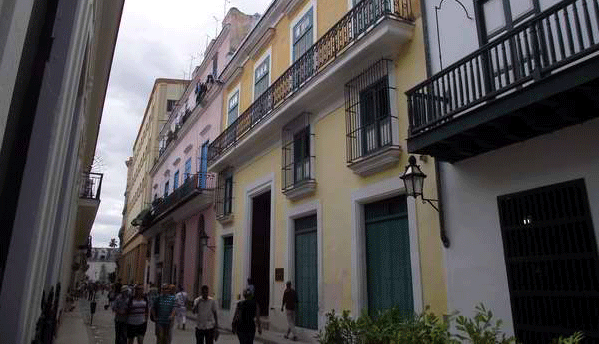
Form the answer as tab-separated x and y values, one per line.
386	188
260	186
294	213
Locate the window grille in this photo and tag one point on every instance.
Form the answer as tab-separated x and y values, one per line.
224	193
369	121
551	262
297	159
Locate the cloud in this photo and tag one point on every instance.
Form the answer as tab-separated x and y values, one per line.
157	39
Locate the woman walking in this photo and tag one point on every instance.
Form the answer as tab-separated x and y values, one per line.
246	318
137	316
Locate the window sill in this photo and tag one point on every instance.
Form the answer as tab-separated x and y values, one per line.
301	190
376	162
225	219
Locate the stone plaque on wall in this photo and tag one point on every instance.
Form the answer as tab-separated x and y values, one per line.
279	275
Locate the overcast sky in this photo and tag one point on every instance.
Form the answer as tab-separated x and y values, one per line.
157	39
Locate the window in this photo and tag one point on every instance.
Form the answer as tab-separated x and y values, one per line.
302	35
166	189
233	108
301	155
501	15
224	199
157	244
203	168
176	180
187	169
374	116
261	77
170	104
215	66
369	119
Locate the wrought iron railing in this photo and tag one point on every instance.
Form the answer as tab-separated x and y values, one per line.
91	185
195	183
522	56
363	16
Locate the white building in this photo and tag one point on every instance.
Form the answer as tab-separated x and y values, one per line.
510	109
55	59
101	263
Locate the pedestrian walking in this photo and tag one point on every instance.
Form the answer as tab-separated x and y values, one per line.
289	302
119	307
207	325
137	316
181	298
247	318
163	311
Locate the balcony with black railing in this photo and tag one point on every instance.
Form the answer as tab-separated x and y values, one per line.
199	185
91	185
364	33
534	79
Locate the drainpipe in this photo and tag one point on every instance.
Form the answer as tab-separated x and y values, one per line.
429	72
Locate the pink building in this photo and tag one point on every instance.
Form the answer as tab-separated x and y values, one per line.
182	211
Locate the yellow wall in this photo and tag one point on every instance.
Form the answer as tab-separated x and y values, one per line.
335	180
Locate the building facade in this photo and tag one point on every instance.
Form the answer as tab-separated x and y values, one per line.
101	264
308	162
509	109
55	59
138	193
182	212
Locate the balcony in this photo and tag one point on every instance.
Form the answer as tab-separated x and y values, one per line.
534	79
316	79
194	195
90	187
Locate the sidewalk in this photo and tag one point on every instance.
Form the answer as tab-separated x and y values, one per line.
72	328
267	337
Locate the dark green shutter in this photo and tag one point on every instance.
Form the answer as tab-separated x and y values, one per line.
389	270
306	272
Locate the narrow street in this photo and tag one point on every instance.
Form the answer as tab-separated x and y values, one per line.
101	331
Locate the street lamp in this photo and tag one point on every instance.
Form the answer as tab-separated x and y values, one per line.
413	179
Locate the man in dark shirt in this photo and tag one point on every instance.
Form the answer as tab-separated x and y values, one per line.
289	302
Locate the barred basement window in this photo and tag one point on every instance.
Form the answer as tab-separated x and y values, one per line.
224	194
369	121
297	159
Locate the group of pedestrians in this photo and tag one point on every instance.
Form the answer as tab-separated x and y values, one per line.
131	313
133	308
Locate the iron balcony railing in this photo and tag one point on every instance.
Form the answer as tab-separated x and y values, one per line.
551	40
91	185
363	16
195	183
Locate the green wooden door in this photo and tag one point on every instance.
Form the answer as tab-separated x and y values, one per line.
389	272
227	272
306	276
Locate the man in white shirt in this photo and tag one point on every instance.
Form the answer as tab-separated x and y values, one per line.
205	308
181	298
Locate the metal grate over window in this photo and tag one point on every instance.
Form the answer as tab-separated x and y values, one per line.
551	261
224	193
298	160
369	122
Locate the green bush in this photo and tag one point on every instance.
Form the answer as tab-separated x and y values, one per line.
394	327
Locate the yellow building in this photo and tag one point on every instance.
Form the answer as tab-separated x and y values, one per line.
309	164
165	93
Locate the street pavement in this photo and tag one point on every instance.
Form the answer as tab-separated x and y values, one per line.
101	329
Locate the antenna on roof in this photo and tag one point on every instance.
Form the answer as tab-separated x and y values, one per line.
216	28
225	8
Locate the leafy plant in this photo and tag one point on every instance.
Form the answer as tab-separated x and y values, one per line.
482	329
573	339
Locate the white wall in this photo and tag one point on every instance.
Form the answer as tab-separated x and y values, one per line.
93	272
475	261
